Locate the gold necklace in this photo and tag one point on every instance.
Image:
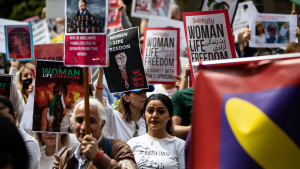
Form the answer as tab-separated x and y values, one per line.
151	139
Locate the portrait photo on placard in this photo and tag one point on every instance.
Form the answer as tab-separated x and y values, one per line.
18	40
85	16
146	8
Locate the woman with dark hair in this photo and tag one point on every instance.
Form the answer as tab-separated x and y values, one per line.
56	118
127	121
19	43
166	151
260	36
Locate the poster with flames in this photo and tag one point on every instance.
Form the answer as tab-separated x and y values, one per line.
114	15
57	89
5	85
126	70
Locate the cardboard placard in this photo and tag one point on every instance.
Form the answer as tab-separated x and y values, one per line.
18	42
161	54
155	21
87	46
272	30
53	52
57	88
208	35
5	85
40	32
241	18
114	15
146	8
211	5
126	69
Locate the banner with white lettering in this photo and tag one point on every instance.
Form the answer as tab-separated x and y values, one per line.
126	70
41	33
211	5
86	33
19	42
57	89
5	85
241	18
114	15
161	54
146	8
272	30
155	21
208	35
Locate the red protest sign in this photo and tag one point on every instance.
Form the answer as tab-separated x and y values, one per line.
114	15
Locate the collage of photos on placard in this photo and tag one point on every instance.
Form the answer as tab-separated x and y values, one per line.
145	8
270	32
86	16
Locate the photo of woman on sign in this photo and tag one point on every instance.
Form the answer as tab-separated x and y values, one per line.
56	118
18	43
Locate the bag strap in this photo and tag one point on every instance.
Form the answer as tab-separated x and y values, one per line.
73	150
107	146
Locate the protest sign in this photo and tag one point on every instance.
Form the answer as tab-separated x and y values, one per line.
155	21
4	22
85	34
32	20
210	5
161	54
53	52
5	85
57	88
114	15
241	18
146	8
272	30
55	8
208	35
40	32
18	42
126	69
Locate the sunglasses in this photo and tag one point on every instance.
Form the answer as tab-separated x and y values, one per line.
272	30
136	129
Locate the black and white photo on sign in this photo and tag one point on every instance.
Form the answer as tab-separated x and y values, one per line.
272	30
241	18
86	16
146	8
126	70
155	21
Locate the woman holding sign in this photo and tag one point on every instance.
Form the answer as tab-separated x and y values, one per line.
166	150
127	122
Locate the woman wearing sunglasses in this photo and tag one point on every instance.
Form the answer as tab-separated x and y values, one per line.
158	148
127	122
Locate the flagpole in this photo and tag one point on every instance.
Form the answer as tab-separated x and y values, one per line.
86	100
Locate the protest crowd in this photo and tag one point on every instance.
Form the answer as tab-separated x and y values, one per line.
89	90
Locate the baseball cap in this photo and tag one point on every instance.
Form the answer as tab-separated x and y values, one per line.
151	89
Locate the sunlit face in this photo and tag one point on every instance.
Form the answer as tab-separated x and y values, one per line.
50	139
137	99
79	125
272	31
260	28
175	14
157	115
26	74
286	25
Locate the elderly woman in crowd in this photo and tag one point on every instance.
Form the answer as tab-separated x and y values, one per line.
166	150
127	122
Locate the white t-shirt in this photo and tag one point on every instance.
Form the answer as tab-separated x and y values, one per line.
33	149
160	89
118	128
261	39
164	153
283	31
47	161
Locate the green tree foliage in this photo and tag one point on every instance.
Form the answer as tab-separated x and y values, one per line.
21	9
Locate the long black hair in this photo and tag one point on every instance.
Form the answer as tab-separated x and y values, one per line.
168	103
59	109
256	30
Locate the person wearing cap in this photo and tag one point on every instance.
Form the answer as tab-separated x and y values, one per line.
127	122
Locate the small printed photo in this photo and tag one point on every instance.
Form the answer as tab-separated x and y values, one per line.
86	16
260	32
283	32
271	32
143	7
19	42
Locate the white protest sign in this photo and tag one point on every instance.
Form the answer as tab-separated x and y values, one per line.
55	8
272	30
41	33
241	19
2	35
161	54
155	21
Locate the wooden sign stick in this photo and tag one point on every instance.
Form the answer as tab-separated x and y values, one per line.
86	100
